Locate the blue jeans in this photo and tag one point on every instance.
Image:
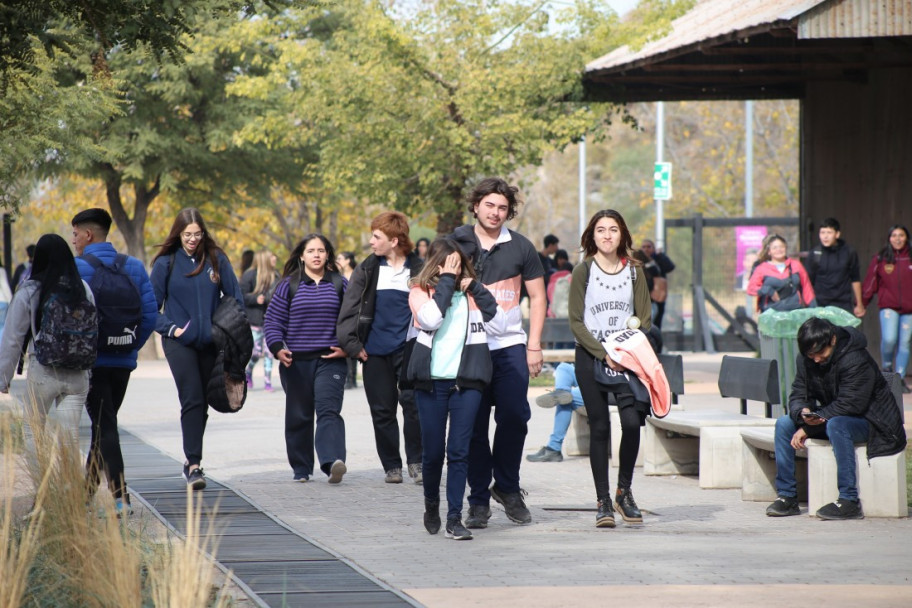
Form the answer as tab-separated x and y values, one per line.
564	379
506	395
461	407
895	334
843	432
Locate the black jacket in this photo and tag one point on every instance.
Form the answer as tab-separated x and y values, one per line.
850	384
357	312
226	390
832	271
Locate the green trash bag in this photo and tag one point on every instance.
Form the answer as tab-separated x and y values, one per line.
776	324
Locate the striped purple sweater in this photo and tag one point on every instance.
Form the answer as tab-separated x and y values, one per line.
309	325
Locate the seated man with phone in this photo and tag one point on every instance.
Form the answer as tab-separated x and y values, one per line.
838	394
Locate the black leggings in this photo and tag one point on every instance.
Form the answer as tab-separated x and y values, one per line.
595	398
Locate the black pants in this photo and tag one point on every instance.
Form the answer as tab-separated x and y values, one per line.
314	389
191	369
107	387
381	386
595	398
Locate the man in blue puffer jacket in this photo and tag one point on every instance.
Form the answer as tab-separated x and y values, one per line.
111	374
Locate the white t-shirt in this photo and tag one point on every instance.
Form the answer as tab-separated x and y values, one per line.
609	300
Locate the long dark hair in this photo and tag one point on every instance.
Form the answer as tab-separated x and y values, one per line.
587	240
294	260
54	267
886	254
172	243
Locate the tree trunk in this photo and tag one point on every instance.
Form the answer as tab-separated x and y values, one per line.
133	229
452	215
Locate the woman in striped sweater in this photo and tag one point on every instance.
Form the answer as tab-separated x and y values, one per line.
300	330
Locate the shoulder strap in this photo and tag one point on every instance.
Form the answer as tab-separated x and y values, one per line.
92	260
336	279
120	261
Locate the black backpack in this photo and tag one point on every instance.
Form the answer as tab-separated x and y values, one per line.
119	305
68	334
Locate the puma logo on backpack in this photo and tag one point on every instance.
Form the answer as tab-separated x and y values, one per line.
68	334
119	305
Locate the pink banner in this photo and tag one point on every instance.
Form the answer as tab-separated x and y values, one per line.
748	242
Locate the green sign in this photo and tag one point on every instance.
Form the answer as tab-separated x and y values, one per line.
662	182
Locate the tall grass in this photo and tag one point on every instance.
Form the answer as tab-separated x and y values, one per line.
72	550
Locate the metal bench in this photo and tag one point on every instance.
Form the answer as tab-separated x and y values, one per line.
705	443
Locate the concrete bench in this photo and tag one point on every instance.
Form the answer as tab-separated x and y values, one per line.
576	443
705	443
881	481
758	466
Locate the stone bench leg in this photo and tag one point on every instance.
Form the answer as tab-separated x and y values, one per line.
576	443
881	482
675	455
758	474
615	420
720	457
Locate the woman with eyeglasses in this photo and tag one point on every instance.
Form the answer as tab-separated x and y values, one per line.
190	273
889	277
778	282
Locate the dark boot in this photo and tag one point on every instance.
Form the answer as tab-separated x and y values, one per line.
432	515
627	507
605	516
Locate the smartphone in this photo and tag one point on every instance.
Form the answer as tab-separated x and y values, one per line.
812	415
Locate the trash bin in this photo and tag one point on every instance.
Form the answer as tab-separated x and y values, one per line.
778	338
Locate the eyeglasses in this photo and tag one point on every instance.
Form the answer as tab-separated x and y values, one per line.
192	235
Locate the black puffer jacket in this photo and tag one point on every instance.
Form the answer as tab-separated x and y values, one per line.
850	384
226	390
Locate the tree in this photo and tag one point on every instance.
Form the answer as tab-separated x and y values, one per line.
176	133
407	111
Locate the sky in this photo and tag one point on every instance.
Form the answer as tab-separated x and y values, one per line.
622	6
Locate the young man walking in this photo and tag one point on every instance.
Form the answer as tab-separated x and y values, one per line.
117	352
505	261
834	271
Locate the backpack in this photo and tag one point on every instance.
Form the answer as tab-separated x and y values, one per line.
68	335
119	305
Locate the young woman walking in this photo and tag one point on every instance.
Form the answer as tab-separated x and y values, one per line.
257	285
53	276
190	273
607	293
889	277
300	330
450	366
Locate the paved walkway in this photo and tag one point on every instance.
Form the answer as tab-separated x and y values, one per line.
696	548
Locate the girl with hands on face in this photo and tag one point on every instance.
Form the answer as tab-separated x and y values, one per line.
450	367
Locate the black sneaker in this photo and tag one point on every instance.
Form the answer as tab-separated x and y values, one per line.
195	478
513	505
841	509
627	507
783	507
546	454
432	516
554	398
605	516
456	531
478	516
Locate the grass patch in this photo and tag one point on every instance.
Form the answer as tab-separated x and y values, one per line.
68	548
909	474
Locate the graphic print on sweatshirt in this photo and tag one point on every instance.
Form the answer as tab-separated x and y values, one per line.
609	301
